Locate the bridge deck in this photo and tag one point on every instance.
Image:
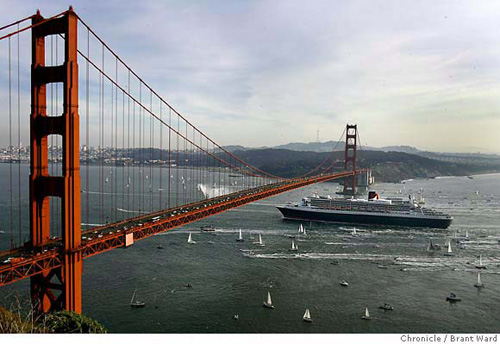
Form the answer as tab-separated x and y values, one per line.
26	261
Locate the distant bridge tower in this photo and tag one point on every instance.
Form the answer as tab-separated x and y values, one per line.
56	288
350	158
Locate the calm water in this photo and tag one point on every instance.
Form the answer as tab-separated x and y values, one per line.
233	278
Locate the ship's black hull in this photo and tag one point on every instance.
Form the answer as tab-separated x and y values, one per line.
305	214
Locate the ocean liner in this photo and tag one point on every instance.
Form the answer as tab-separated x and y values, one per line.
374	210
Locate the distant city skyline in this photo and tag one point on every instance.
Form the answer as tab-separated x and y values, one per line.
264	73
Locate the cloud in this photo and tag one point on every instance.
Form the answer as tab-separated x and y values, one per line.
269	72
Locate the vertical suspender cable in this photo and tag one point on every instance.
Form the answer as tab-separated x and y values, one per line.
100	149
87	136
151	158
109	177
160	202
52	200
124	154
19	140
10	154
115	155
133	156
141	170
129	154
185	181
103	151
58	149
178	164
169	156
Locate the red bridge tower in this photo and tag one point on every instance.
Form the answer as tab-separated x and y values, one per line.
351	134
58	288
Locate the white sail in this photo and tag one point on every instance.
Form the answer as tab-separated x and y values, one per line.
449	246
480	260
301	228
479	278
240	237
307	315
367	314
190	239
133	297
293	244
269	301
260	240
354	231
304	231
466	234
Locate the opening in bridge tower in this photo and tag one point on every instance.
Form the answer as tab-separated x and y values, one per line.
351	134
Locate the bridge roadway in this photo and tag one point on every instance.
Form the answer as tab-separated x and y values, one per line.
28	261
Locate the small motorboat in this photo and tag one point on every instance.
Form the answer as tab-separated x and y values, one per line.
386	307
307	316
453	298
268	303
188	285
207	229
159	247
344	283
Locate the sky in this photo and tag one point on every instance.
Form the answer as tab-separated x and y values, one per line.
263	73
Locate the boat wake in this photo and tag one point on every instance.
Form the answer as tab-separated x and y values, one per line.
131	211
312	255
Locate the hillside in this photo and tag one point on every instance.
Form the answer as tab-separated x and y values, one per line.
386	166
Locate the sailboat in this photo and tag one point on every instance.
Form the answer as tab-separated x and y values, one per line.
190	240
135	303
480	266
261	243
294	247
354	232
449	251
366	316
240	237
479	284
301	229
307	316
268	303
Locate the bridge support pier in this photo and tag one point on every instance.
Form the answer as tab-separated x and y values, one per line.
60	288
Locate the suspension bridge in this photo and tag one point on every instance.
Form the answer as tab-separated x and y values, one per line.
110	162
